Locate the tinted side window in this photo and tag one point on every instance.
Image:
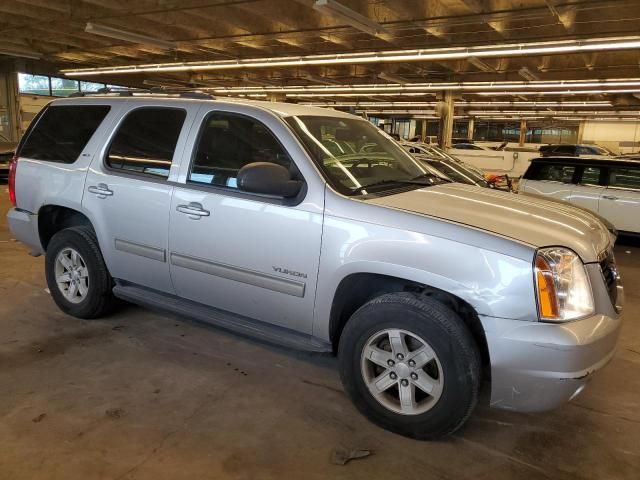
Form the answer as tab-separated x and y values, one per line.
229	142
146	141
590	176
62	132
564	150
625	178
551	172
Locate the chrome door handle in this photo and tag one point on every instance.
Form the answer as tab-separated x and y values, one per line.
194	210
102	190
609	197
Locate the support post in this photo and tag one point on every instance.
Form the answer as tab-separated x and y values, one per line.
446	120
10	118
471	128
523	132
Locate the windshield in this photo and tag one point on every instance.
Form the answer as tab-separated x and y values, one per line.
358	158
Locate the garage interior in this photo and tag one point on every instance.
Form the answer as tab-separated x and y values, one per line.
144	394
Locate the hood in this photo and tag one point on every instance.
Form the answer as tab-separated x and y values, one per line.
529	220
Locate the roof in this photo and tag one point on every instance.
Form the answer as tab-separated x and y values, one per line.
278	108
593	159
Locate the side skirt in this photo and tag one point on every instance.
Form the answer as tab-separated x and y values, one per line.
219	318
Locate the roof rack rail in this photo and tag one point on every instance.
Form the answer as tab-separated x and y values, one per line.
130	92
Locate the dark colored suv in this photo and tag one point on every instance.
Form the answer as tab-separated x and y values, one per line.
573	150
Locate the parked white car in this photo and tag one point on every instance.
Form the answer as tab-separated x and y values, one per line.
608	186
512	161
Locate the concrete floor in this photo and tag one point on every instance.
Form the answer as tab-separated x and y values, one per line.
144	395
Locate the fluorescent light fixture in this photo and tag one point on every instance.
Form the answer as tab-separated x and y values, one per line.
559	92
460	104
550	112
111	32
417	55
480	64
390	77
29	55
394	89
351	17
527	74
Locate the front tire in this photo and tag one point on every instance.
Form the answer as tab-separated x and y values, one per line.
410	365
76	274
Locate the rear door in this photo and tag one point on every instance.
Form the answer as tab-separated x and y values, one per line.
586	193
620	199
128	190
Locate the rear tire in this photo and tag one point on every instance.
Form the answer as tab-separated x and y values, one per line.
76	274
410	365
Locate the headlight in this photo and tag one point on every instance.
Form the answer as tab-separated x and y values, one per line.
562	284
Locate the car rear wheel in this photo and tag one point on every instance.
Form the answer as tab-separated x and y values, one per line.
410	365
77	275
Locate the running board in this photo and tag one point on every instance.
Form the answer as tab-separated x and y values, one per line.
219	318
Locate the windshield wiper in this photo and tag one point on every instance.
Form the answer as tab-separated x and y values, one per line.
424	180
427	179
363	188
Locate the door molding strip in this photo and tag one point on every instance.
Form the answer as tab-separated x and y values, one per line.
239	274
141	250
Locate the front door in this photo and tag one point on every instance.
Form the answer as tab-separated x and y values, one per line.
128	196
252	255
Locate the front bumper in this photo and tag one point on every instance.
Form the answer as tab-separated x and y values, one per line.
24	227
538	366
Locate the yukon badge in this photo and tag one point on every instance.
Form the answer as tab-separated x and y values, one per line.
286	271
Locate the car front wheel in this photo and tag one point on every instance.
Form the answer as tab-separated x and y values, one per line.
410	365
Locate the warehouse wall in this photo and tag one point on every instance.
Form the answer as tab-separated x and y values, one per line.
30	105
621	137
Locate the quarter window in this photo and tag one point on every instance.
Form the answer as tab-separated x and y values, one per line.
146	141
62	132
227	143
625	178
590	176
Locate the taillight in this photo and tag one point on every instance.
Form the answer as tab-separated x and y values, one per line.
13	165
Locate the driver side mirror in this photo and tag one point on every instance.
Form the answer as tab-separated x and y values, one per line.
268	179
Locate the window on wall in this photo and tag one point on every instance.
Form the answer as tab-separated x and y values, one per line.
33	84
146	141
57	86
63	87
91	86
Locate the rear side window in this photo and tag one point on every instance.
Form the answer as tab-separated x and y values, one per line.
590	176
551	172
564	150
146	141
625	178
62	132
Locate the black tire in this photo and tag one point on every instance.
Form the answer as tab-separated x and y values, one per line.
99	299
449	338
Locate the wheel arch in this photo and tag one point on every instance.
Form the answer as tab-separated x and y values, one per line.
356	289
52	218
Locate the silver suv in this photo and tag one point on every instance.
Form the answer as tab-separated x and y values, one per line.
268	219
